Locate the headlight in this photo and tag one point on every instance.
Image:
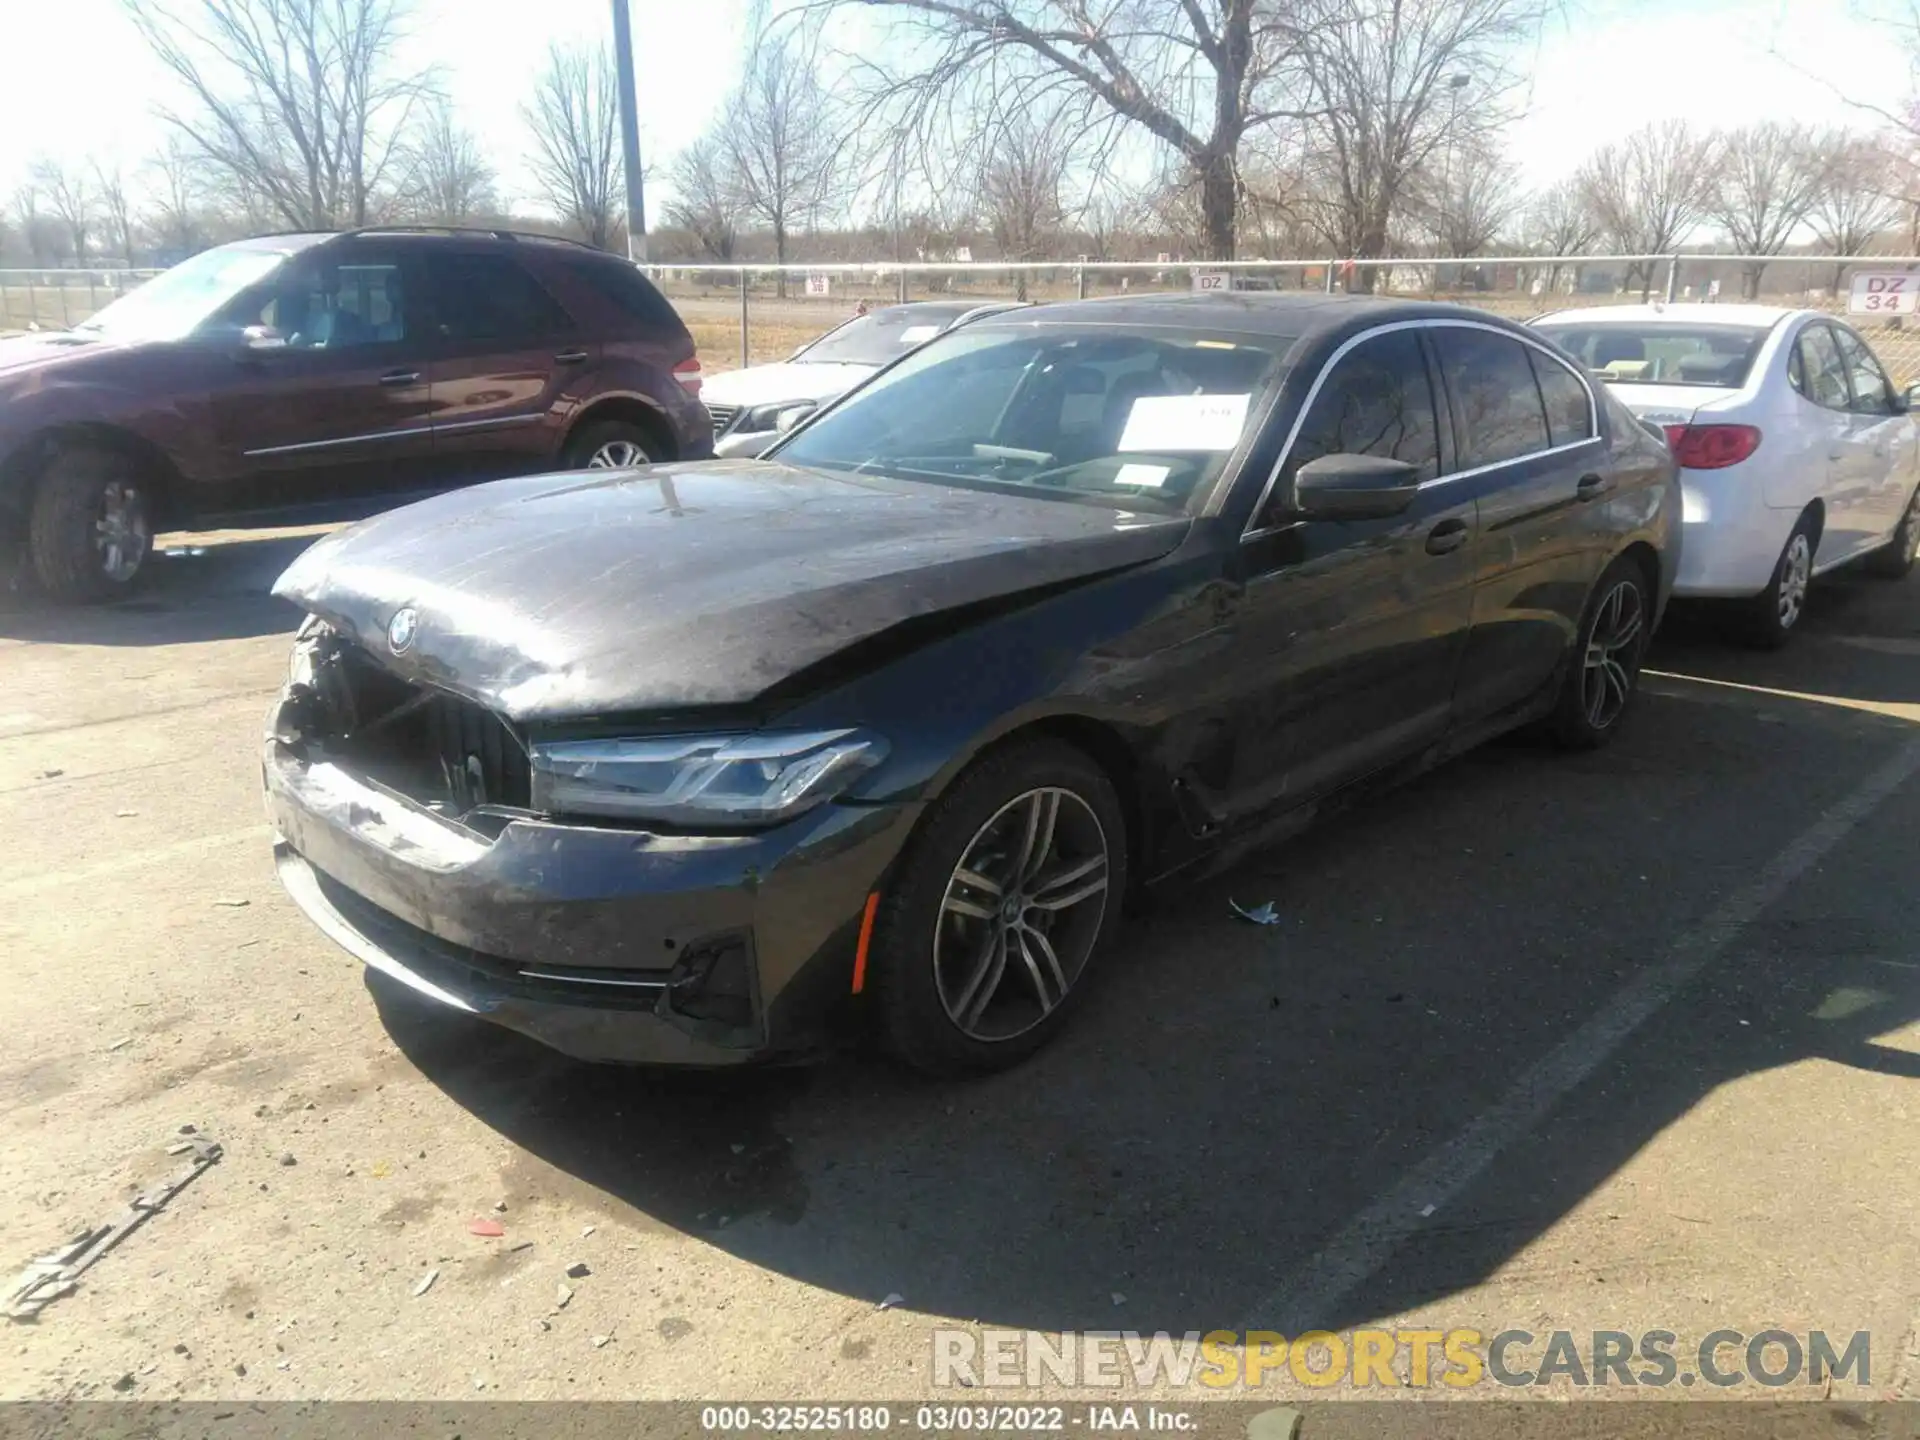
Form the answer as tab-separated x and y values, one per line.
783	416
732	780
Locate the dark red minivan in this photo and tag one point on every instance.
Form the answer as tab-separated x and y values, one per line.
299	367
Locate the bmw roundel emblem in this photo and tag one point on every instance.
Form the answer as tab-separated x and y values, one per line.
401	630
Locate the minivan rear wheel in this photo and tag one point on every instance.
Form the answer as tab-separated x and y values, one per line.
90	534
612	445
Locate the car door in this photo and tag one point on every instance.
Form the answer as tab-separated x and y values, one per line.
1880	442
333	392
503	350
1540	480
1817	372
1350	632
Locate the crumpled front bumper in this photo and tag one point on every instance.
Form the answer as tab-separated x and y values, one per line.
607	944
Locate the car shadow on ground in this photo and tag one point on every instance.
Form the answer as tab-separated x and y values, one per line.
1231	1095
213	584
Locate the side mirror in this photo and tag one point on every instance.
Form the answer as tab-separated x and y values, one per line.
1354	487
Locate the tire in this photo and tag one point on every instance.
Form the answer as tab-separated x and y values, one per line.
613	445
1604	676
967	979
1894	560
1769	618
89	535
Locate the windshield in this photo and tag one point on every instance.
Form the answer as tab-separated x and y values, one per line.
1139	419
1662	354
173	304
880	338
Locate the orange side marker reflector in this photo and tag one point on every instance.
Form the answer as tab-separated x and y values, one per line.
866	939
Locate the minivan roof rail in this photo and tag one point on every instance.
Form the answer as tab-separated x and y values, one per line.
487	232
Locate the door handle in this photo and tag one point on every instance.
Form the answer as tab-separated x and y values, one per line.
1592	487
570	357
399	377
1447	536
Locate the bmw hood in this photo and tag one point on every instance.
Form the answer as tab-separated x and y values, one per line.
771	384
565	596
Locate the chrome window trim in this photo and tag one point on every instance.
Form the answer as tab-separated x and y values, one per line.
347	440
1424	323
493	423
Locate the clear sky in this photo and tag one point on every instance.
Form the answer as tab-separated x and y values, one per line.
1604	68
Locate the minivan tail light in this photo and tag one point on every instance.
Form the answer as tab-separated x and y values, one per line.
687	372
1711	447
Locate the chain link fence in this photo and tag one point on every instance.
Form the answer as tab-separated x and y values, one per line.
56	299
755	314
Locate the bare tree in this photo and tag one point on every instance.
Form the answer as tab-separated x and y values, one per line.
1561	221
445	180
1196	75
1020	189
116	214
69	194
301	103
1763	182
1648	191
575	119
174	182
1468	206
1852	203
1397	88
705	203
780	143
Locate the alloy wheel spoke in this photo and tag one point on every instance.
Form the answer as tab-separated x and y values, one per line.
1038	840
972	909
1037	943
974	880
1023	938
985	981
1626	633
1069	885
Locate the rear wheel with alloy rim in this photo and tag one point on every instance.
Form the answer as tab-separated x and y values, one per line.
90	531
612	445
994	919
1894	560
1605	674
1770	616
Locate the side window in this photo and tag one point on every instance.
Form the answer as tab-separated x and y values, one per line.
1826	374
489	297
334	306
1871	393
1496	398
1377	400
1569	407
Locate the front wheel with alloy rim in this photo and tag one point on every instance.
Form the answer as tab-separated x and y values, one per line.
989	928
612	445
1771	616
1605	674
90	534
1894	560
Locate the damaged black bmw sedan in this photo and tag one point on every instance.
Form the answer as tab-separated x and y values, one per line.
714	762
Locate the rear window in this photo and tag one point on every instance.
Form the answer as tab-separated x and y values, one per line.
630	293
881	337
1658	354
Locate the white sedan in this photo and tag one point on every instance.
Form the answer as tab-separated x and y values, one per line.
1797	453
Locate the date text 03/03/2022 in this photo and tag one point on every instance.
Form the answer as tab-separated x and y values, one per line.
944	1419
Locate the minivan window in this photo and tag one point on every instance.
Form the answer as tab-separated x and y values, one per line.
328	306
1495	398
1377	400
1569	406
488	297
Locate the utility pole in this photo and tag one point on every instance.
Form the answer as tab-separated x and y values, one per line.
630	135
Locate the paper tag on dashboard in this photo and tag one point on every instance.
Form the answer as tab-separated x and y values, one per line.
1149	476
914	334
1185	422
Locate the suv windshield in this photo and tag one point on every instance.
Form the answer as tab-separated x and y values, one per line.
174	303
1137	420
1661	354
879	338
